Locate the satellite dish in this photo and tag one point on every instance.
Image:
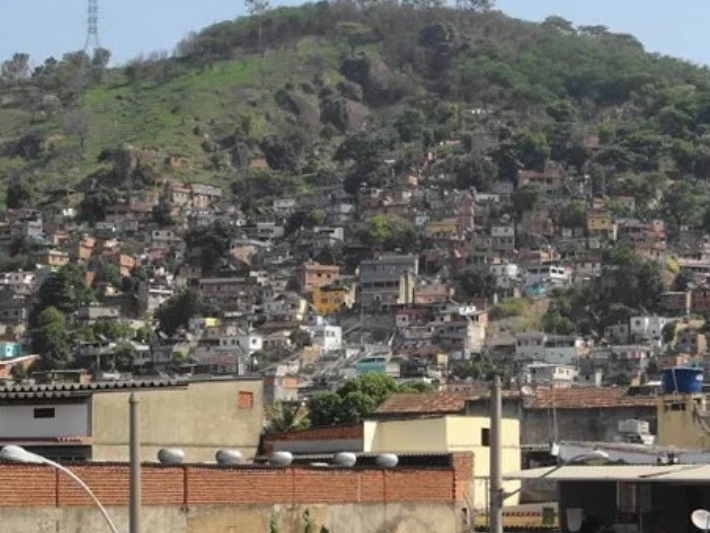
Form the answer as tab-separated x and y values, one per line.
575	517
526	390
701	519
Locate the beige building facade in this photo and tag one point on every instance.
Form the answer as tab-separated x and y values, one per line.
451	433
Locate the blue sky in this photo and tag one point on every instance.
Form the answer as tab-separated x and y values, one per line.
131	27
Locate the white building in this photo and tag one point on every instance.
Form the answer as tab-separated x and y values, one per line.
505	270
329	338
648	327
549	374
546	275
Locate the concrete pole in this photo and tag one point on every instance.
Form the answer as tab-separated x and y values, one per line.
496	485
135	478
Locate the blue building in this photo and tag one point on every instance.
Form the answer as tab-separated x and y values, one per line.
8	350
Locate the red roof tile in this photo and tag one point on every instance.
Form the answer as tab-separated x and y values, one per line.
423	403
588	397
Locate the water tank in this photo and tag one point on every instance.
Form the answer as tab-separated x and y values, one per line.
171	456
229	457
682	380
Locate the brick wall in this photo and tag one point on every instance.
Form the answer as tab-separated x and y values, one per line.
40	486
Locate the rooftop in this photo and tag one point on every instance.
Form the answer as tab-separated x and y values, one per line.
588	397
423	404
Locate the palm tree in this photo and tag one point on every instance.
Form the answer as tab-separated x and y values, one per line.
284	417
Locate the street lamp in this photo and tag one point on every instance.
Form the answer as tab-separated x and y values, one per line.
594	454
17	454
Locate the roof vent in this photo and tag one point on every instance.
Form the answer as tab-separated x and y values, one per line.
346	459
171	456
280	459
386	460
229	457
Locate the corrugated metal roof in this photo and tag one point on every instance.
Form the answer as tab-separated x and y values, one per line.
640	473
72	390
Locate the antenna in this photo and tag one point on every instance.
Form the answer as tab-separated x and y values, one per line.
92	27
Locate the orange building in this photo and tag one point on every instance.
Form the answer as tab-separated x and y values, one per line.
315	275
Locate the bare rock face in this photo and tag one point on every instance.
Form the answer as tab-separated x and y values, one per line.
307	113
345	115
378	82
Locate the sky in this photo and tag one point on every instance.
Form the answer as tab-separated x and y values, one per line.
132	27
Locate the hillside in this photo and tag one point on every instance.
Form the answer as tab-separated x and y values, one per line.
329	90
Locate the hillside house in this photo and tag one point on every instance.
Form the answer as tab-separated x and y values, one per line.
388	281
550	180
315	275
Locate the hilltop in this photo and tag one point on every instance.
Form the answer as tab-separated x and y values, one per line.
330	91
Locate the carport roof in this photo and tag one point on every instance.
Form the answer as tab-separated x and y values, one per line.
636	473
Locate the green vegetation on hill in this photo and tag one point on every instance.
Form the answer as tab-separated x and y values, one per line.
334	88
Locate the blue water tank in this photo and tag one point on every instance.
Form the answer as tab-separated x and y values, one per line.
682	380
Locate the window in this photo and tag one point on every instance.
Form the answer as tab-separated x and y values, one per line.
245	400
485	437
44	412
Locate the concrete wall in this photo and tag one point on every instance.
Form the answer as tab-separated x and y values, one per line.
350	518
69	420
450	434
680	422
580	424
199	418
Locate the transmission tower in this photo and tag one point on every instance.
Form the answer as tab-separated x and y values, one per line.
92	27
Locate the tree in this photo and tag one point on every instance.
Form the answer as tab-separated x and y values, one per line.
390	233
51	340
93	207
19	194
685	202
476	5
66	290
177	311
300	338
355	33
410	125
163	213
572	215
476	282
526	198
356	399
284	417
99	64
555	322
77	123
324	409
478	368
257	9
16	69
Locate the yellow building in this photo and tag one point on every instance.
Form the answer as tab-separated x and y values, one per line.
449	433
447	227
330	299
600	223
683	421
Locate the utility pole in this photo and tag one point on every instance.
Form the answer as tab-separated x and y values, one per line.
135	458
496	484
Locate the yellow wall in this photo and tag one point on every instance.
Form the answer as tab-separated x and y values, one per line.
450	434
328	302
682	428
200	418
